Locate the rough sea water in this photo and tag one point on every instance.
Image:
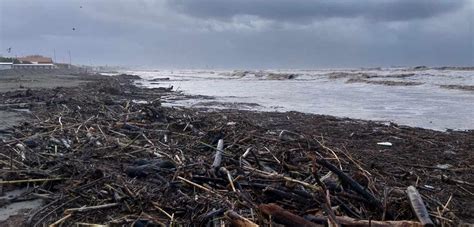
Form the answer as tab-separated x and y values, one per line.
429	98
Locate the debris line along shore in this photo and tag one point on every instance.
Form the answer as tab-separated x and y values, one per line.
108	153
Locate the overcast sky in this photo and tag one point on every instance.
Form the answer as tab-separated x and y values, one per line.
242	33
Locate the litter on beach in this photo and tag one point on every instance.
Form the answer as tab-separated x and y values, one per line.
388	144
93	155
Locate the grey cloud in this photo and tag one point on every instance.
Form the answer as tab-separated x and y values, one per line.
296	33
308	10
32	19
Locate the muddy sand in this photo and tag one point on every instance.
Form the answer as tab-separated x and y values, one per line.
108	152
11	80
35	79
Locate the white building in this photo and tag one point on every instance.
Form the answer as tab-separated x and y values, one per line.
34	62
33	66
6	65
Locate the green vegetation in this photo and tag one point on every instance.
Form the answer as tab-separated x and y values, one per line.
14	60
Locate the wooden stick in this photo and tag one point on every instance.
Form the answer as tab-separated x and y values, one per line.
246	153
418	206
229	177
218	156
242	160
56	223
446	178
238	221
285	217
354	185
445	207
199	186
332	221
330	150
81	224
31	180
161	210
14	160
347	221
84	209
289	179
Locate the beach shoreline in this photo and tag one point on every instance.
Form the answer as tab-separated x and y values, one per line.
417	98
91	113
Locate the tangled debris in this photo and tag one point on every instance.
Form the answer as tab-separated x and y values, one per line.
384	82
458	87
108	153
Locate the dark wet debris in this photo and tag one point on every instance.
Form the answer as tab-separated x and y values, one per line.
95	156
384	82
458	87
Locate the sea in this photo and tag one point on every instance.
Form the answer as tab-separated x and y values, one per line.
438	99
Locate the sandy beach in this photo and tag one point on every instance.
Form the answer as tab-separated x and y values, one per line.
237	113
104	144
22	80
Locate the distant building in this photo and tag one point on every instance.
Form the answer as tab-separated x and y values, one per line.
35	59
6	65
34	62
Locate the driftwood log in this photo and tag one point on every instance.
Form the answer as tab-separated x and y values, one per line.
282	216
418	206
238	221
218	156
347	221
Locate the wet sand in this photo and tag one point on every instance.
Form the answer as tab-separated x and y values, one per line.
22	80
9	119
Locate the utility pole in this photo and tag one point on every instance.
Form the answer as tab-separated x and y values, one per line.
70	62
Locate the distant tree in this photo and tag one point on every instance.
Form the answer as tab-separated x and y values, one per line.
2	59
14	60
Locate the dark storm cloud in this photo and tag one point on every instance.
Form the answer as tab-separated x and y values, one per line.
242	33
307	10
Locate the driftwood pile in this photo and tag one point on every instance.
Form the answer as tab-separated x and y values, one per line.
98	154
